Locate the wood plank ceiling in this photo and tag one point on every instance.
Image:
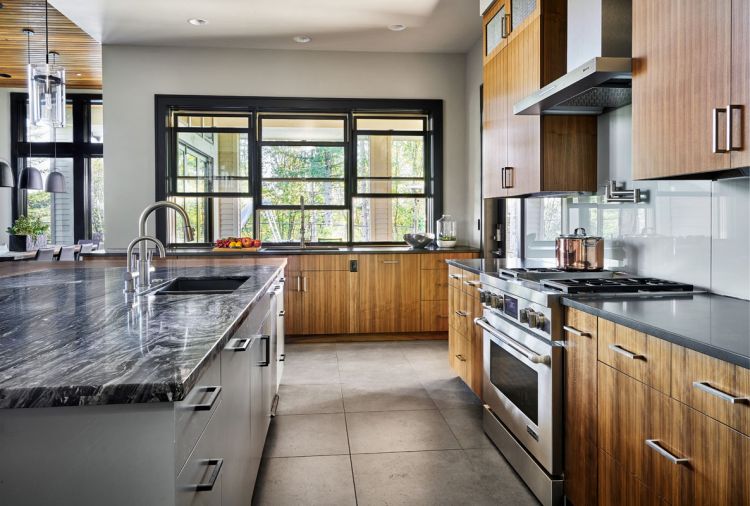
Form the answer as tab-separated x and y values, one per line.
79	53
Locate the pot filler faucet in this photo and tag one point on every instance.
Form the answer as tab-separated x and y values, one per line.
142	279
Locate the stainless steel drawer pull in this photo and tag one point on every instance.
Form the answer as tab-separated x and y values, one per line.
730	127
209	486
240	344
267	361
460	313
207	406
461	358
299	281
282	313
454	276
530	355
625	353
472	283
575	331
304	284
704	386
389	262
654	445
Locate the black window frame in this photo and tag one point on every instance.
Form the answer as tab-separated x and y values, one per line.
165	136
81	150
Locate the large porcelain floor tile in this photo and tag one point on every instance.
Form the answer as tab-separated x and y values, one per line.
310	399
309	481
466	424
385	397
311	372
444	478
398	431
450	393
498	478
306	435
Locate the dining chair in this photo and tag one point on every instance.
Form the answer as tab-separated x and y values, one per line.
67	254
87	247
45	255
93	242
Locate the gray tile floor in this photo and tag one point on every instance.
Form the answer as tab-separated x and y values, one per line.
384	423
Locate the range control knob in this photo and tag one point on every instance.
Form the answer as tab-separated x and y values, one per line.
484	297
523	315
536	320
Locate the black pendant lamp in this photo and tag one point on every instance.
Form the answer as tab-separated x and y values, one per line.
55	180
6	175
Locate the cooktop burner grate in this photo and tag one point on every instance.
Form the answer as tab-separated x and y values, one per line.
616	285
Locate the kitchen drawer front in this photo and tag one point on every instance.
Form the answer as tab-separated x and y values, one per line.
716	388
639	355
434	315
455	276
581	324
470	283
437	260
334	262
193	413
433	285
199	482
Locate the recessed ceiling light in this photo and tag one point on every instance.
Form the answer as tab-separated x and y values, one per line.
302	39
197	21
397	28
5	76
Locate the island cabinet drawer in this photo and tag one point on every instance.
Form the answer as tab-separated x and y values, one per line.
455	277
470	283
580	324
193	413
437	260
640	356
200	481
718	389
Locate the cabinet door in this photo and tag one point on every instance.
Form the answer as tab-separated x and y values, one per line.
259	419
325	301
523	175
495	29
740	156
475	351
681	75
200	481
293	321
434	315
717	468
630	414
388	293
580	420
495	126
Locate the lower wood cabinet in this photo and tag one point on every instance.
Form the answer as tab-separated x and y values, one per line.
465	352
388	293
639	431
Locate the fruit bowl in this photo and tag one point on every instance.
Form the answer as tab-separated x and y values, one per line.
237	244
419	241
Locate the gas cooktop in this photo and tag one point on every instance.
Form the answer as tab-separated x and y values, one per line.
540	273
615	285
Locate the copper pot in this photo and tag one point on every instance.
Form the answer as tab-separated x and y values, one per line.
579	252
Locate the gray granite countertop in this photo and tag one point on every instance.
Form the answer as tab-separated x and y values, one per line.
712	324
491	266
343	250
69	338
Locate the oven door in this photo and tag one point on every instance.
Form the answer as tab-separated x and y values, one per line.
522	388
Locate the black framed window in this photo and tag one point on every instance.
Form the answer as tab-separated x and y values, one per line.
78	213
368	170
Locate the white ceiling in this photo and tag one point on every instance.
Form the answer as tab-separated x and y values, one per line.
434	26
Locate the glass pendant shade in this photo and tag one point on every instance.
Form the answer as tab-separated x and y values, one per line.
6	175
47	94
30	179
55	183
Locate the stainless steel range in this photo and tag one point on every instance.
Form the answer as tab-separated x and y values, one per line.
523	363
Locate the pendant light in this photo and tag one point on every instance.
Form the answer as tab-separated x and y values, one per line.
47	87
55	180
6	175
30	177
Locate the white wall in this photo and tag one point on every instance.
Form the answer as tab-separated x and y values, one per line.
6	194
133	75
474	78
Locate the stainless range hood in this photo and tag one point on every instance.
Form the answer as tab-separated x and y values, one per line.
599	62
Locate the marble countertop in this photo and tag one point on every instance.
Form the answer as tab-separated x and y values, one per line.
712	324
69	337
344	250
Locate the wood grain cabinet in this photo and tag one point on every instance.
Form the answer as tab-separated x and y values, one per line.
531	154
649	422
465	353
690	87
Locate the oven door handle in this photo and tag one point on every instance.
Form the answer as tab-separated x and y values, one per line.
530	355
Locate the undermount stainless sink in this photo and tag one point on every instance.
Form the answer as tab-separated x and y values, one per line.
299	248
203	285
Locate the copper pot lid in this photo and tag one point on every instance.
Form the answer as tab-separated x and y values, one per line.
579	233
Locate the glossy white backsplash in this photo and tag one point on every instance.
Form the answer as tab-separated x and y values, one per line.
694	232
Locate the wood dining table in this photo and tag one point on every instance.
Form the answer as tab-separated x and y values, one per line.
10	256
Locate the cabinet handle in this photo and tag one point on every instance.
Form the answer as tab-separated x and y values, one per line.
575	331
705	387
506	171
390	261
282	357
730	127
299	280
454	276
622	351
654	445
304	283
715	130
461	313
241	344
504	27
282	313
461	358
208	486
267	360
207	406
502	178
472	283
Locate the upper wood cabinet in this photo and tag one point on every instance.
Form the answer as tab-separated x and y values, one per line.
495	28
524	155
690	87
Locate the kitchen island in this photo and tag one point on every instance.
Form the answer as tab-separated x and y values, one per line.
157	399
